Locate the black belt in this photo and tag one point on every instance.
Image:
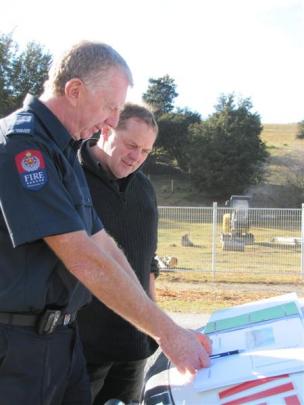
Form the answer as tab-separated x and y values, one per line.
45	323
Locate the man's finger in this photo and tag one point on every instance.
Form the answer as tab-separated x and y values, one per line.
188	369
181	369
205	341
204	359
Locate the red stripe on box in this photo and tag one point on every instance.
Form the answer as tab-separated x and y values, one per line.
262	394
248	384
292	400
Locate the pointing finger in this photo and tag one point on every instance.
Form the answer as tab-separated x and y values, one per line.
205	341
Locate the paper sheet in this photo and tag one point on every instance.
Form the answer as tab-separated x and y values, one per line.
269	351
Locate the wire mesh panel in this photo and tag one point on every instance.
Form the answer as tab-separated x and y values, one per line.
263	241
186	234
270	242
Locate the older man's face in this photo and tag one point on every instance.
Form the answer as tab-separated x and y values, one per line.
101	107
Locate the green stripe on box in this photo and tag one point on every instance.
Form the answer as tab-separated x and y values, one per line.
262	315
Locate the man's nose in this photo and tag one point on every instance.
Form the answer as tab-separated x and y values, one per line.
135	154
112	120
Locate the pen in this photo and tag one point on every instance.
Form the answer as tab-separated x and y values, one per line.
224	354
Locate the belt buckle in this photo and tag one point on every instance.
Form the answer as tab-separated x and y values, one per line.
48	321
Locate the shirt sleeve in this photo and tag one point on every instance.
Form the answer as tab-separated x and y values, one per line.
155	267
34	200
154	263
97	224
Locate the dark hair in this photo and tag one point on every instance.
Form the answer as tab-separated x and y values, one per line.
138	112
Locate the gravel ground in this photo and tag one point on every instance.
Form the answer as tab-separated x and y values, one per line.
187	320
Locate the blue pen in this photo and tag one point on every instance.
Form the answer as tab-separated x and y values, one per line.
224	354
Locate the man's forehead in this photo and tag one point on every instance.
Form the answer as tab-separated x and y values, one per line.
116	87
128	132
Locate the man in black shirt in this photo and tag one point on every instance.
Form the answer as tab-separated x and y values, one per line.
125	200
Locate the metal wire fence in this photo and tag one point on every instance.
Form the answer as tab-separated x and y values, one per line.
196	237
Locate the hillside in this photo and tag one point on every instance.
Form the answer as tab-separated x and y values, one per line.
283	170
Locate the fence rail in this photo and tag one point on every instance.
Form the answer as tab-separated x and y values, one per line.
195	236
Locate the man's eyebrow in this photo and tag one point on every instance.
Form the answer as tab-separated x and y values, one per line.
148	149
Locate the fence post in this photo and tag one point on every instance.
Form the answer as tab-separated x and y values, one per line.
302	241
214	229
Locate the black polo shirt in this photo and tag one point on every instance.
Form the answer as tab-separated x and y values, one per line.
43	192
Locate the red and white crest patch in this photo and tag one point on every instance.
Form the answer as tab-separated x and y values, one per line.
31	168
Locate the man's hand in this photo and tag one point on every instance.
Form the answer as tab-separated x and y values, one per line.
188	350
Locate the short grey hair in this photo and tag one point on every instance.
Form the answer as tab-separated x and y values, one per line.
87	61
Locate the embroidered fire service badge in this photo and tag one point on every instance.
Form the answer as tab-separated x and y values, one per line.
31	168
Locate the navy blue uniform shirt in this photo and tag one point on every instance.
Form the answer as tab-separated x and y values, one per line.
43	192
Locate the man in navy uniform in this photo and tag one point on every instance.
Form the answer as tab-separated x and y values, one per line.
53	248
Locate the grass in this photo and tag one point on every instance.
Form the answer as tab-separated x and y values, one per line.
280	138
285	149
177	192
260	258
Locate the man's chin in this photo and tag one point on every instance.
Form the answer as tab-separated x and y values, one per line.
86	134
122	174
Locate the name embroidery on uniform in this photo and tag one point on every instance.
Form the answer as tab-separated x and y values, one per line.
31	167
22	123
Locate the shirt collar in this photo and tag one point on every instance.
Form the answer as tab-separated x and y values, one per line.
87	160
85	157
50	122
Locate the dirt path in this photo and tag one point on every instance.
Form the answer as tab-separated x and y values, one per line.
208	296
240	288
188	320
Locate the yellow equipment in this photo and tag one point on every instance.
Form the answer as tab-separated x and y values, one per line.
235	230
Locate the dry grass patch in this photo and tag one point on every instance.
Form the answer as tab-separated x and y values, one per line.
280	137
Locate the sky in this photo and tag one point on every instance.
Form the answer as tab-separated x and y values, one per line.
252	48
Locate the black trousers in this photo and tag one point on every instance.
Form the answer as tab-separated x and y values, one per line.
119	380
42	369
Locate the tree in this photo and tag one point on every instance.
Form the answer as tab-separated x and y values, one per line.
227	154
20	72
173	135
161	94
300	131
7	51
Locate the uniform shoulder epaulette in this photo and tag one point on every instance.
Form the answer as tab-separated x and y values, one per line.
21	123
